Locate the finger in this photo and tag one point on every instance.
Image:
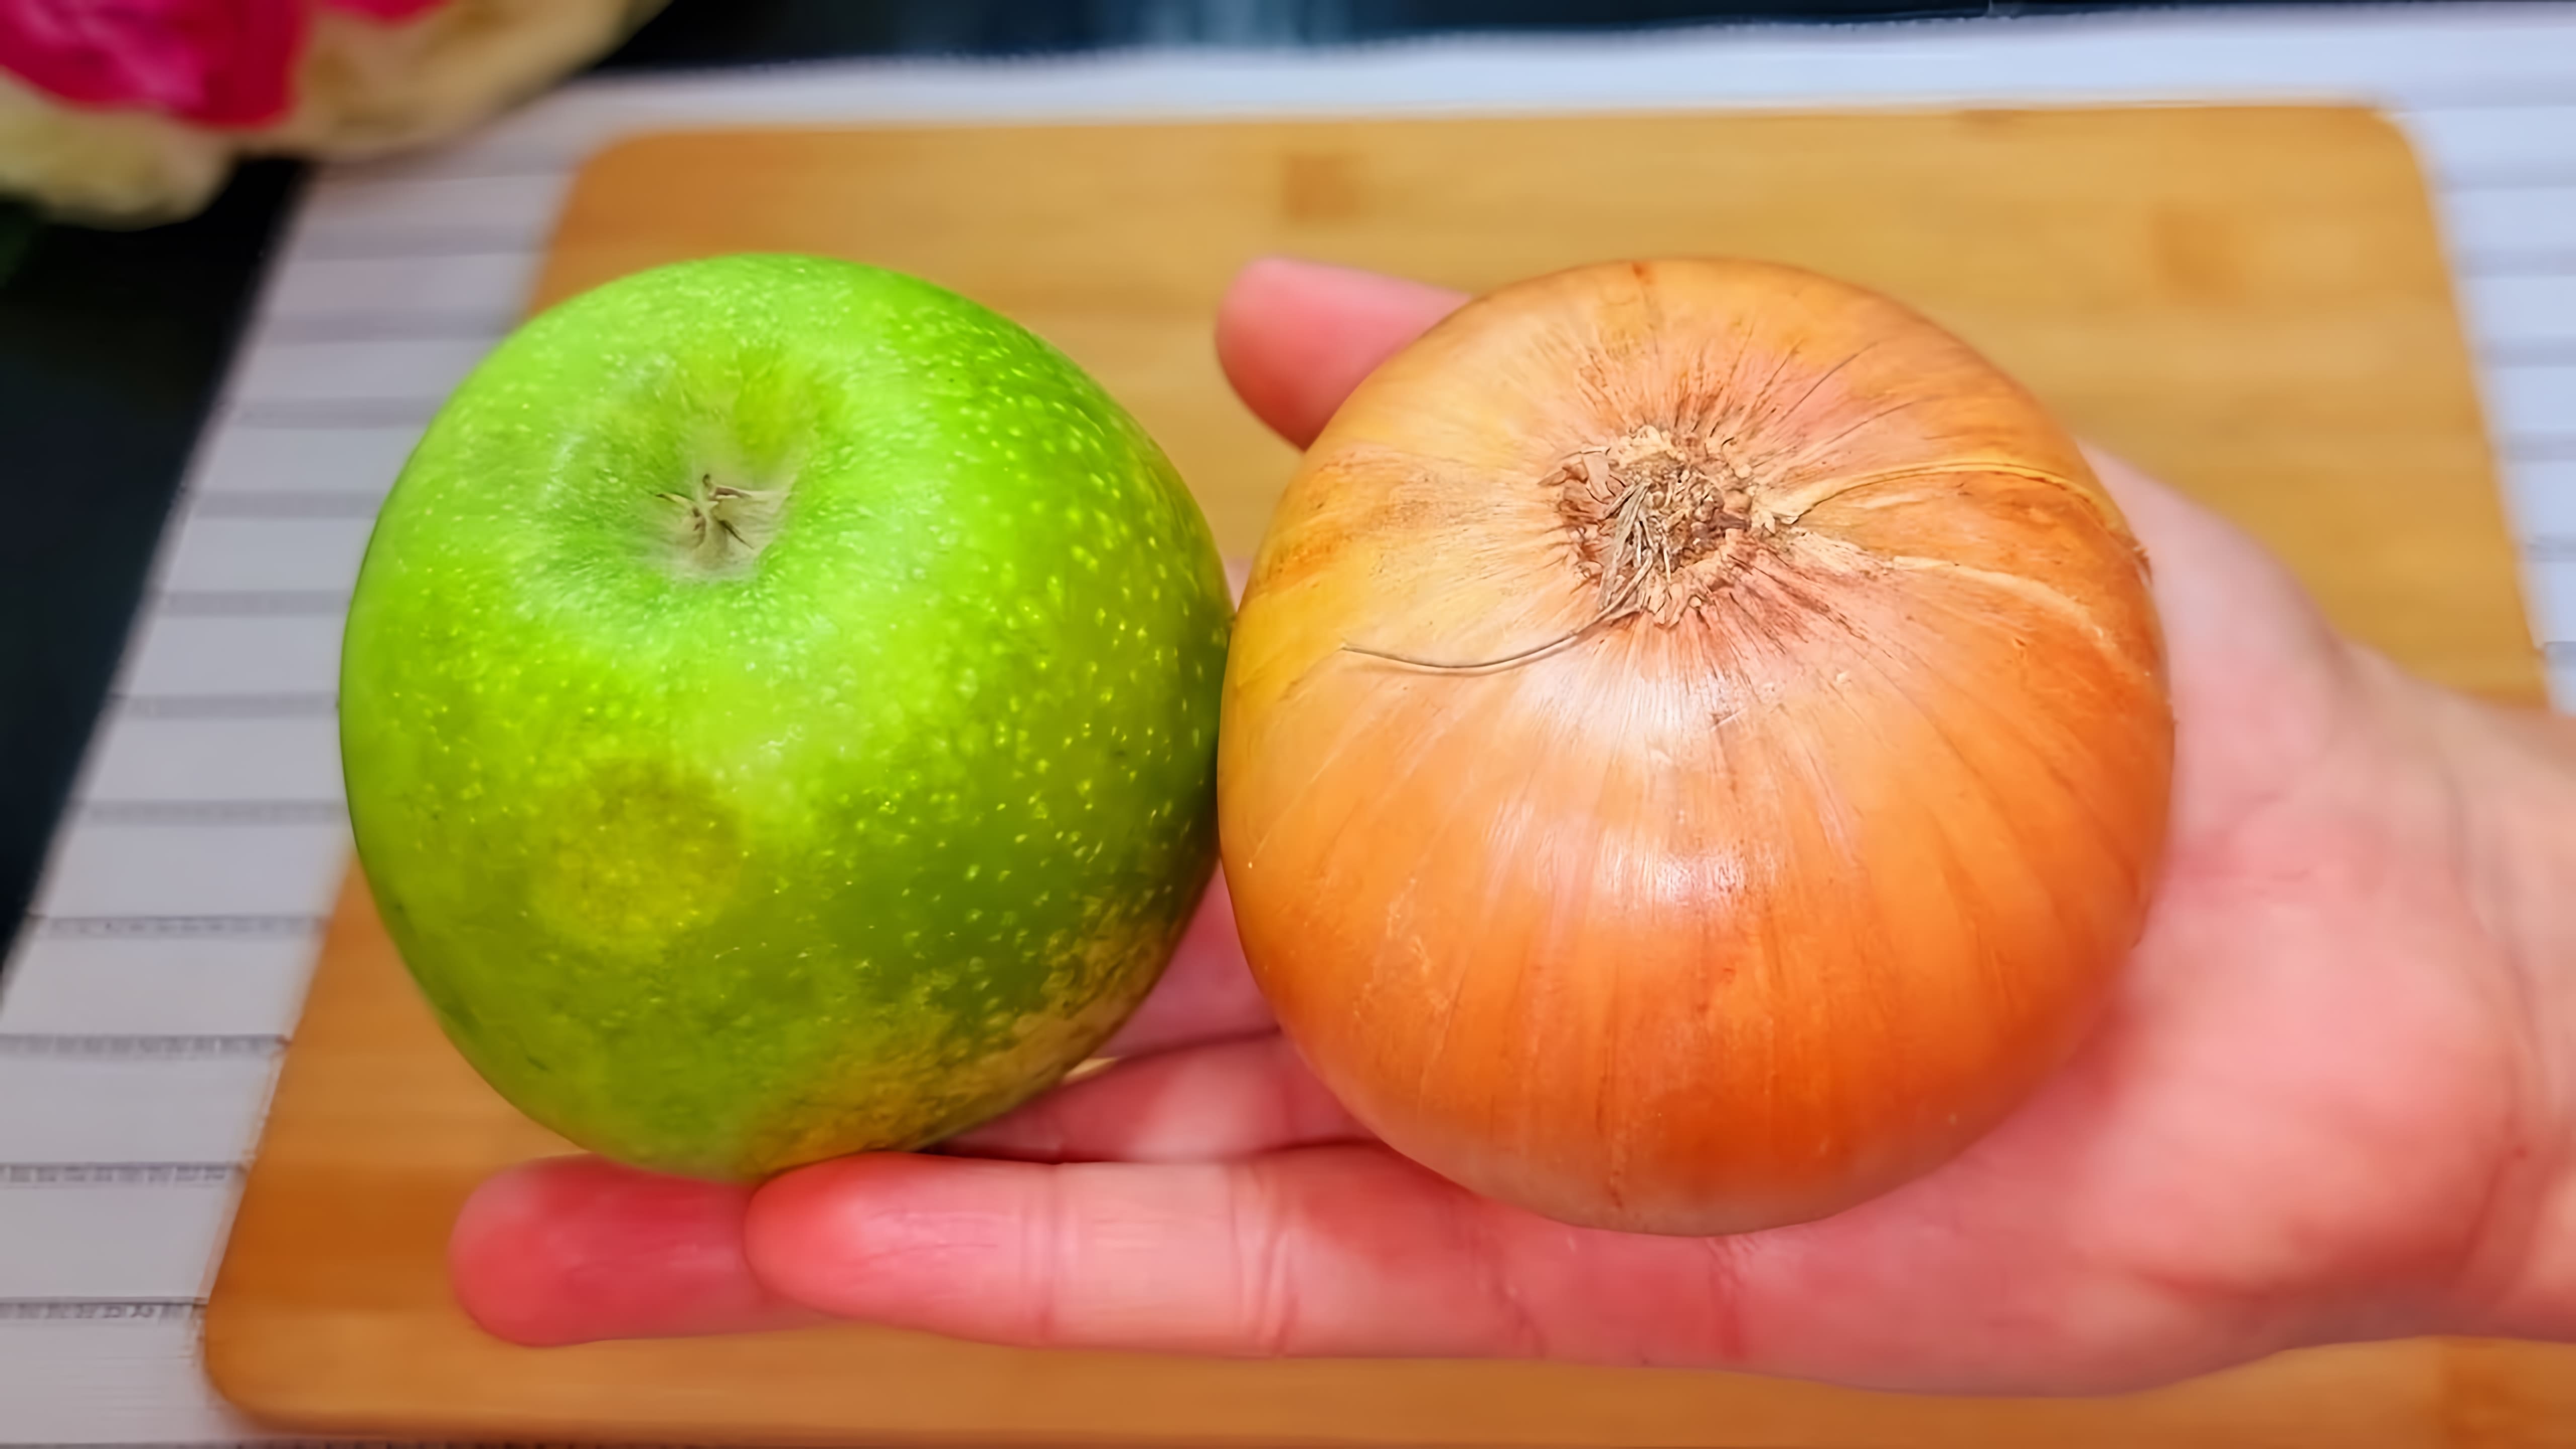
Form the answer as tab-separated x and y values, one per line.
1232	1100
1207	992
1295	337
2216	586
2234	618
570	1249
1346	1250
1332	1251
1965	1281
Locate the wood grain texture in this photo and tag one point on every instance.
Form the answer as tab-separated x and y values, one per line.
2251	302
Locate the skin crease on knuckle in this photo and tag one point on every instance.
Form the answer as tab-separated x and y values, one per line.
2332	1098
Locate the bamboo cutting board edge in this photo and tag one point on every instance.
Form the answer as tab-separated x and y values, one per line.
1488	1403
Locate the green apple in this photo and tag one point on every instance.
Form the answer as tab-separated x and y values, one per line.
778	710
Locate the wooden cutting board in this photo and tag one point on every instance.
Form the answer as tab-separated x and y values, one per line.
2251	302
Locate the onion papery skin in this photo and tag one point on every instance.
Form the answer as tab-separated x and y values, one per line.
1737	911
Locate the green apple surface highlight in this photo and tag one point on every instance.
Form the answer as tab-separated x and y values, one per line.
778	710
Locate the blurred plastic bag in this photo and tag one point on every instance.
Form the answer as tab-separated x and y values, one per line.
133	111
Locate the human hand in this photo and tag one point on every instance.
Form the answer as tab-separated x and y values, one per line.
2327	1102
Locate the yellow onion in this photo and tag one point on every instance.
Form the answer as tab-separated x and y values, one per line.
1696	747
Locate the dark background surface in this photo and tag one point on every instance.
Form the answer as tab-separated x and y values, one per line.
112	343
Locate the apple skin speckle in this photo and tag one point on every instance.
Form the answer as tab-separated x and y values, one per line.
856	836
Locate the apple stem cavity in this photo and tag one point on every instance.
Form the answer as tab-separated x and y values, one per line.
718	529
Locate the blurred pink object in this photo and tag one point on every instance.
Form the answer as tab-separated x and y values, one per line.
133	110
216	62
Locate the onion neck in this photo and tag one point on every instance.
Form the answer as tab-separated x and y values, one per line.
1661	518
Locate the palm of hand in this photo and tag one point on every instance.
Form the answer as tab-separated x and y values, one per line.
2289	1127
